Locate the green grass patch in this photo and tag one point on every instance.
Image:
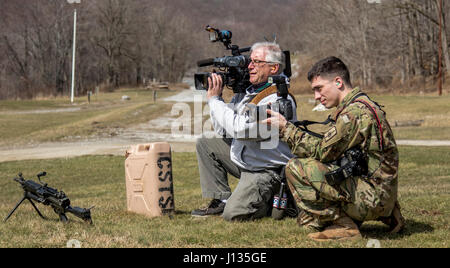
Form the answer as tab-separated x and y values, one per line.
424	188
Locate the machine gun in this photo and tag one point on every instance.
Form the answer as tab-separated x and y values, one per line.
42	193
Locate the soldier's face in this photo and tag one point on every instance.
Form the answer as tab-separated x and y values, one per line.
326	91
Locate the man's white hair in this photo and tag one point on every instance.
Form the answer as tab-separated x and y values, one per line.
274	53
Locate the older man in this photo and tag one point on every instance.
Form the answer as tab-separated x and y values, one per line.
247	157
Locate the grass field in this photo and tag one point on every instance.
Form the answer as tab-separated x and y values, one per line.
424	192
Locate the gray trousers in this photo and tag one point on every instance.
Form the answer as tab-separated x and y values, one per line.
253	195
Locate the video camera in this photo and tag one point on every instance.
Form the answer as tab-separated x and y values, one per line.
234	69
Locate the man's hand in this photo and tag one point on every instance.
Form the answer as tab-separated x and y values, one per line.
215	86
275	120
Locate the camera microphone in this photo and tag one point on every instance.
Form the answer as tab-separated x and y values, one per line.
204	63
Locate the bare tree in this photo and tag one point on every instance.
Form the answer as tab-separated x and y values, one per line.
112	34
122	42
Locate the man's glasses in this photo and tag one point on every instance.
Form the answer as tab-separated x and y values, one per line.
260	62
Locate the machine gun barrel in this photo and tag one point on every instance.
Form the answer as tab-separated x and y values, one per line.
82	213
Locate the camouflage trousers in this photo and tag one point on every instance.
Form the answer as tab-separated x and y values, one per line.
323	203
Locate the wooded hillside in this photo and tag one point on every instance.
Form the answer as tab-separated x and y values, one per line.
386	43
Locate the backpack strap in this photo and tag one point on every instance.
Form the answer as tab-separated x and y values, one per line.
374	112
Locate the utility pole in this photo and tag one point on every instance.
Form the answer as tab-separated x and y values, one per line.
73	54
75	2
440	50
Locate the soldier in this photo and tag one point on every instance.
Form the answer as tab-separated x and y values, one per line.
350	174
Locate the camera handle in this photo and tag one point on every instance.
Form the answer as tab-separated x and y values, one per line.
236	51
283	90
224	36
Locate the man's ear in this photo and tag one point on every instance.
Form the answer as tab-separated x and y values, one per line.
274	69
339	82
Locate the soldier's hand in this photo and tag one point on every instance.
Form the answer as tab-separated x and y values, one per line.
275	120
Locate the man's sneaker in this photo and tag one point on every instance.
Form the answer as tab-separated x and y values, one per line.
216	207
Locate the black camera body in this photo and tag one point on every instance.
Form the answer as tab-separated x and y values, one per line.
353	163
282	105
236	75
234	79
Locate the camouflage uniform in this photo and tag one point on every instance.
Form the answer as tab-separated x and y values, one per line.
361	198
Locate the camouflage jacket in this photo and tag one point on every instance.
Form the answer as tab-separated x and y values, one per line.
353	124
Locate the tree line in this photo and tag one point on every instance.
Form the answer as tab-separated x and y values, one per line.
123	43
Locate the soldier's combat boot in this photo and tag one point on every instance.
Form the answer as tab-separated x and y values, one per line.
396	221
343	228
308	222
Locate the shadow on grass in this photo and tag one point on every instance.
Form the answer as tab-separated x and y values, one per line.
382	231
181	212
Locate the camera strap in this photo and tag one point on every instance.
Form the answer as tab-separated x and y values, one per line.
303	125
263	94
267	92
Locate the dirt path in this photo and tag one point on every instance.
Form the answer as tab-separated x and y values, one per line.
430	143
72	149
119	146
152	131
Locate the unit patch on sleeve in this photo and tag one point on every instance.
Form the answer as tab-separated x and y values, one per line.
330	134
